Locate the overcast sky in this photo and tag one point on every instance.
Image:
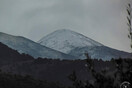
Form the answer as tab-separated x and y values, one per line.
101	20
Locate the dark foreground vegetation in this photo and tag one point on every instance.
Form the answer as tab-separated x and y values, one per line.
8	80
120	77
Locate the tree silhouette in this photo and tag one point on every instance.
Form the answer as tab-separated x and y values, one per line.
129	17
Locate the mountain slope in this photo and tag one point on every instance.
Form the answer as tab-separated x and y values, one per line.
65	40
23	45
76	44
99	52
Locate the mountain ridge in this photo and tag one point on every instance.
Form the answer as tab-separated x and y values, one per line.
70	42
27	46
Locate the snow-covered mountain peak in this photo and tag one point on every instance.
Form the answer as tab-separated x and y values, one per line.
65	40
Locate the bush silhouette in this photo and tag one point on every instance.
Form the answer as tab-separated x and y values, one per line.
106	78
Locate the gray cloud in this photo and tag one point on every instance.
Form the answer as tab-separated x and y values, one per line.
101	20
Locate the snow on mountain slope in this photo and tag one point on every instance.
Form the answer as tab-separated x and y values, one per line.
24	45
76	44
65	40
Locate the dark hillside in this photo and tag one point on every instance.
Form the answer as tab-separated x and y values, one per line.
8	55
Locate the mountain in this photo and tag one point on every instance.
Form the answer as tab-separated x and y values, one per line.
76	44
51	70
65	40
24	45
